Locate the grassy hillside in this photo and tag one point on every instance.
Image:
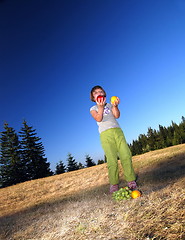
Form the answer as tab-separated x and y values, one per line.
76	205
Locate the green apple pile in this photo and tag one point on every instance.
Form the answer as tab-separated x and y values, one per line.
122	194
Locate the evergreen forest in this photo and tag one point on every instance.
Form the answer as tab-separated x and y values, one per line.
22	155
158	139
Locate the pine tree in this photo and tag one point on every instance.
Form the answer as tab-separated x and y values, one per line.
72	164
163	134
182	129
60	168
89	161
136	147
177	137
170	134
12	170
33	154
151	134
80	165
100	161
144	147
159	143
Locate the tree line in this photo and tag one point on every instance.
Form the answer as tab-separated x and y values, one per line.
158	139
73	165
22	157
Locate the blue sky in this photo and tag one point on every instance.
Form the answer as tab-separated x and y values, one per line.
53	52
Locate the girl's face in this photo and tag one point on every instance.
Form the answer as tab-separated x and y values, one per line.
98	92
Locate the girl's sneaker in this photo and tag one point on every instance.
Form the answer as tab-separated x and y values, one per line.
114	188
132	185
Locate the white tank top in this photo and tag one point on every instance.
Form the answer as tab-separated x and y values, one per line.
108	120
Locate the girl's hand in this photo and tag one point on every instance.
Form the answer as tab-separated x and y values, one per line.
116	103
101	101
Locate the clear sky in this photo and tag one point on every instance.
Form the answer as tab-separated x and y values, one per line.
52	52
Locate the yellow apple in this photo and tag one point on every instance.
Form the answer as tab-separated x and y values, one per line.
113	99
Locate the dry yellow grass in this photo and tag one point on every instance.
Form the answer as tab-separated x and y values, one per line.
76	205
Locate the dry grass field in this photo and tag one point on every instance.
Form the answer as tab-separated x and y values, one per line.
76	205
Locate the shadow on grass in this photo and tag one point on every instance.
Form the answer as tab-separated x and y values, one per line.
11	224
164	173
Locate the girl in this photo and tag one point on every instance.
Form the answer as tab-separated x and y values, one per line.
112	139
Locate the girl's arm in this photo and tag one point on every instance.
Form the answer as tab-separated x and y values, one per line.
98	115
115	109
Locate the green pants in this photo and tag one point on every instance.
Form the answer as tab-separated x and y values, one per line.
114	144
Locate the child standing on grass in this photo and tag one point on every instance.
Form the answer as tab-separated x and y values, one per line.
112	139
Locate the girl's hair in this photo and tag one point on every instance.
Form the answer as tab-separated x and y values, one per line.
93	89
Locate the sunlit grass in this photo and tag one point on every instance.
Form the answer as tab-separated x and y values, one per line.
76	205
